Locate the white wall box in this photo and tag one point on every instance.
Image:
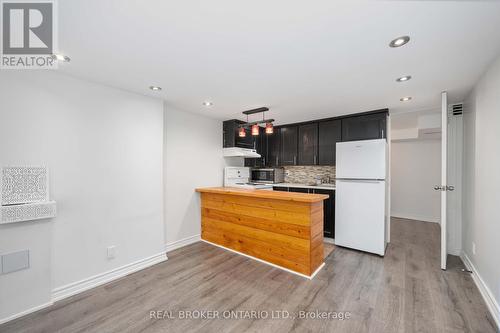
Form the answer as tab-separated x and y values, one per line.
27	212
25	194
24	184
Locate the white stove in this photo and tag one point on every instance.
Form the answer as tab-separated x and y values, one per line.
240	177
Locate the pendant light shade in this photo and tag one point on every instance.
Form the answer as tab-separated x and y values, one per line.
242	133
269	128
255	130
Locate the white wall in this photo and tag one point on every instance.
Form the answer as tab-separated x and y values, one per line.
481	180
104	150
193	158
415	170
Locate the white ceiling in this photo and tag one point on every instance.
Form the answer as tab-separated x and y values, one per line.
302	59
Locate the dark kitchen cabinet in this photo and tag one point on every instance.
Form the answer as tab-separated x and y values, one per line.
328	207
311	143
308	144
230	137
260	145
273	148
279	188
329	133
364	127
298	189
328	212
288	149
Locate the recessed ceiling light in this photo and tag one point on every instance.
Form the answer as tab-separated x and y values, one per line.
61	57
405	99
400	41
155	88
207	103
403	78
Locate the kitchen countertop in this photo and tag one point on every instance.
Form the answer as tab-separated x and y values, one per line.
287	196
322	187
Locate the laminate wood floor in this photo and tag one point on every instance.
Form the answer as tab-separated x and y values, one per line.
404	292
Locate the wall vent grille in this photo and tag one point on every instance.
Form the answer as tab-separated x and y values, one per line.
456	109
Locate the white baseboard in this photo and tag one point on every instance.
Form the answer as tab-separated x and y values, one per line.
488	297
25	312
100	279
416	217
455	252
182	242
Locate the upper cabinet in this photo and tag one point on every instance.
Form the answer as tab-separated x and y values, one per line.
288	137
311	143
329	132
308	144
259	143
273	148
364	127
230	137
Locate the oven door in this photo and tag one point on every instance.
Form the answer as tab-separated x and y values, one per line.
263	175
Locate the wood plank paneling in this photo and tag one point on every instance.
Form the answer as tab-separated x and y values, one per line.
302	207
266	213
296	230
286	233
272	238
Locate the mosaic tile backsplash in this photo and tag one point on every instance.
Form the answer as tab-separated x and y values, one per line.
308	174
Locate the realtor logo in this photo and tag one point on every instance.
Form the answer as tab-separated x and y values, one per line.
27	34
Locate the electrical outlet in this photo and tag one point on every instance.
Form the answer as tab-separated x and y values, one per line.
111	252
473	248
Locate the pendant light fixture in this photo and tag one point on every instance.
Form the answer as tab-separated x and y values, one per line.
254	126
269	128
255	129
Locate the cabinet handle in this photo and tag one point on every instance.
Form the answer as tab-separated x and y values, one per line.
314	159
295	160
276	160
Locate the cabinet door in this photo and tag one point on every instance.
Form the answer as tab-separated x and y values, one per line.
260	145
308	144
298	189
279	188
289	137
328	212
365	127
329	133
273	148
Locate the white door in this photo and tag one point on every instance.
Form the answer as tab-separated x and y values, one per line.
443	187
361	159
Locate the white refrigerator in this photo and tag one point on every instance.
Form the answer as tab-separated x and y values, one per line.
360	209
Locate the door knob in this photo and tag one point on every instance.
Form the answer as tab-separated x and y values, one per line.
444	188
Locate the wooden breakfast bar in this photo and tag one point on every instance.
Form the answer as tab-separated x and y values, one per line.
281	228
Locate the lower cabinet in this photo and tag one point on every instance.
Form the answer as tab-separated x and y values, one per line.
279	188
328	212
299	189
328	206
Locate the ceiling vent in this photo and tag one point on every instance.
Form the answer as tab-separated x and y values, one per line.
455	109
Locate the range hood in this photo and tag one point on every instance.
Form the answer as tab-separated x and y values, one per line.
240	152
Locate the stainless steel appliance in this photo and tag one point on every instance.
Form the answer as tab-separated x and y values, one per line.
268	175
